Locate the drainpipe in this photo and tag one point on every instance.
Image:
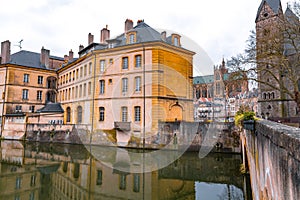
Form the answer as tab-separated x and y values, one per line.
93	96
3	102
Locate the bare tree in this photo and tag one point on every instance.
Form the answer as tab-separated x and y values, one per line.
272	57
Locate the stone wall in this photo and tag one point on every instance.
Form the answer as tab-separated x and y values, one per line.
273	158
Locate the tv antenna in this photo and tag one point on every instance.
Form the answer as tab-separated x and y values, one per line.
20	44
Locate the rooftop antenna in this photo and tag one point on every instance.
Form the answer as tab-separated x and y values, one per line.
20	44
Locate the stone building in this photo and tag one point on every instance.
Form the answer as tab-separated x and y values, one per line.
215	95
104	87
27	83
270	55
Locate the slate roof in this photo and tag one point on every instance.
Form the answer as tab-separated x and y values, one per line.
293	21
144	33
51	108
274	4
203	79
29	59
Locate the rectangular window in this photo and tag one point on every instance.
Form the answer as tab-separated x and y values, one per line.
77	74
102	65
122	183
131	38
138	61
90	68
32	180
81	72
85	70
124	85
137	113
101	113
40	80
31	109
26	78
84	89
18	108
80	91
138	84
136	183
99	177
102	86
125	63
76	92
25	94
39	95
89	88
18	183
124	114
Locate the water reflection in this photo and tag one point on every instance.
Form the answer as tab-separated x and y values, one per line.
56	171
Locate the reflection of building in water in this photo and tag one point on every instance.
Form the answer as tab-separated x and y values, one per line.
62	172
17	181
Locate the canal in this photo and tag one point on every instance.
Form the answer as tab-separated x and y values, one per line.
63	171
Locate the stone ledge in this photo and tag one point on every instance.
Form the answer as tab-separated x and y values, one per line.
283	136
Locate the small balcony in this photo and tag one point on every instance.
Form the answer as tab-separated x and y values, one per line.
122	126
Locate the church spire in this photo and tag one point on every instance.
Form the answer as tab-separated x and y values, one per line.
275	6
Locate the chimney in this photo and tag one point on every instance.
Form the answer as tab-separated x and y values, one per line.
66	58
139	21
164	35
45	57
71	55
105	34
90	39
128	25
5	52
81	47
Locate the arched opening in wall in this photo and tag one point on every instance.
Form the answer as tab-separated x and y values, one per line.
68	118
51	96
79	115
176	113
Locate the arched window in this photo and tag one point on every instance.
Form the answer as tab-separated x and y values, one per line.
79	115
218	77
68	114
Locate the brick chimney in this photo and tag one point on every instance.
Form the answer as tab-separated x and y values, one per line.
5	52
140	21
128	25
90	39
164	35
45	57
66	58
105	34
71	55
81	47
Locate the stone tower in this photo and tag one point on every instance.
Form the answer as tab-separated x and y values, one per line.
268	20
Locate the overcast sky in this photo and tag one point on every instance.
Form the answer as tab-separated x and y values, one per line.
217	28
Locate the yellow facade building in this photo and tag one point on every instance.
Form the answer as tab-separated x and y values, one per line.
128	83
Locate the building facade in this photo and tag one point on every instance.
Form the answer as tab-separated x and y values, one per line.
270	27
130	82
27	84
218	95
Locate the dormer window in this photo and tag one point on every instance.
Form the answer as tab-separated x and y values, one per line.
176	40
131	37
